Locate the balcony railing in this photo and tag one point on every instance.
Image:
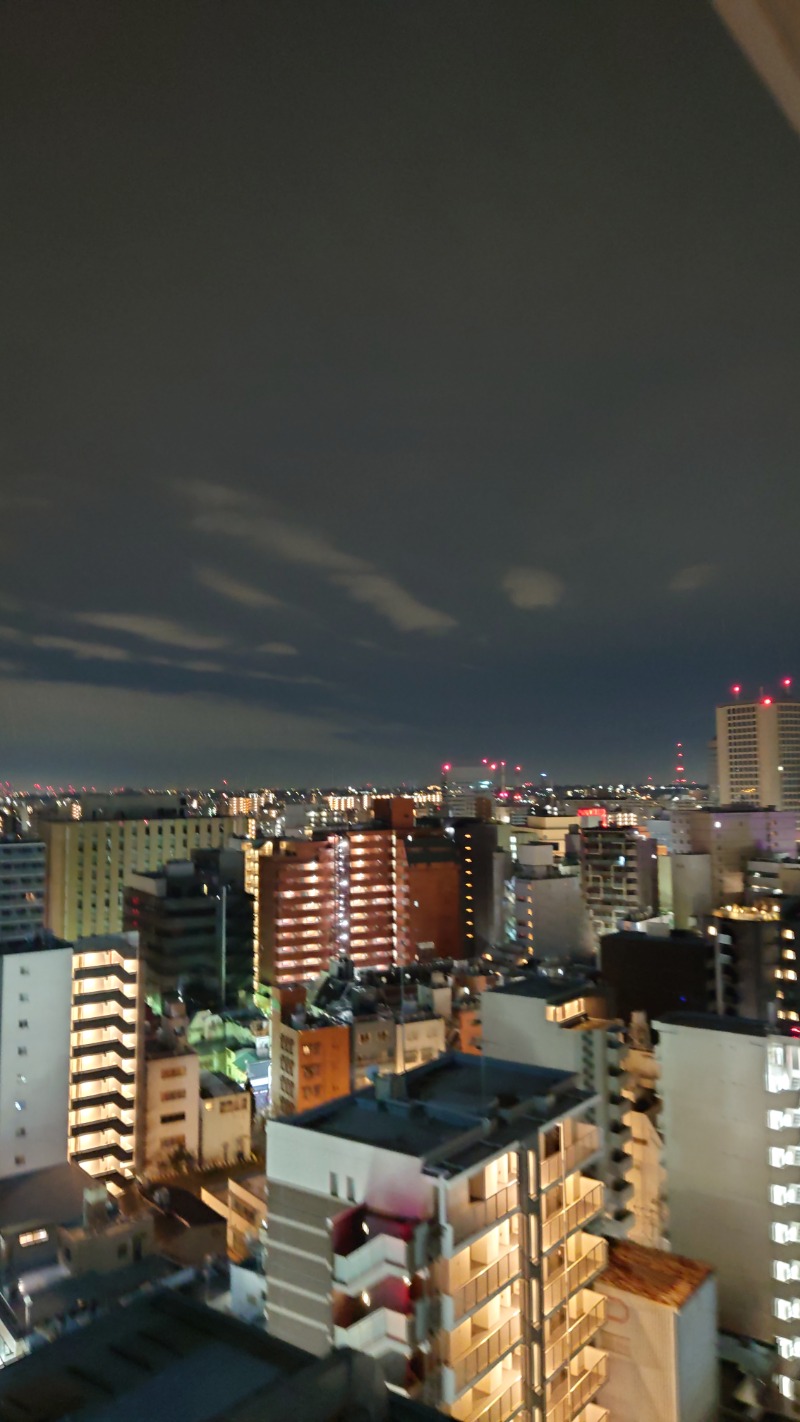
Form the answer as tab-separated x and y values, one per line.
589	1375
594	1413
571	1217
479	1215
574	1335
568	1280
565	1162
487	1281
378	1256
499	1405
485	1350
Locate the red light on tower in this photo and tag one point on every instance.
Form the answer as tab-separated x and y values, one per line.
766	701
735	690
517	768
786	683
447	767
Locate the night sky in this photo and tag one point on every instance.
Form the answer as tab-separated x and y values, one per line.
387	383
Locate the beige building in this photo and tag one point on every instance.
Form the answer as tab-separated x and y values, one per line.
225	1120
89	861
758	753
660	1334
713	846
106	1057
170	1123
426	1225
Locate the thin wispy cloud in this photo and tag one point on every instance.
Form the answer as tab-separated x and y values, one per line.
152	629
82	651
247	519
242	593
532	588
62	713
692	578
278	649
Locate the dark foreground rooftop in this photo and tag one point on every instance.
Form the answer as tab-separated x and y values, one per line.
167	1358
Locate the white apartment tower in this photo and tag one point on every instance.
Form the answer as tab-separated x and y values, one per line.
34	1054
758	752
442	1222
107	1056
731	1119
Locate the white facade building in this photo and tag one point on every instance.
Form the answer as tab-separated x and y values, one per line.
170	1123
731	1120
35	985
661	1337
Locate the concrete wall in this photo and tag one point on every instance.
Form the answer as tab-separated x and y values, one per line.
662	1363
716	1146
224	1128
35	1002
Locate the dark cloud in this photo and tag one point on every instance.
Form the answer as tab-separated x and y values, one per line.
452	346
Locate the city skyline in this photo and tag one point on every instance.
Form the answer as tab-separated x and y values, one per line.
367	393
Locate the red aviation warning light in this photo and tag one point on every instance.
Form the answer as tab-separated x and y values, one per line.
766	701
736	690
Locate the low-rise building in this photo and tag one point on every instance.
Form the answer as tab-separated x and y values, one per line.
225	1120
660	1334
170	1124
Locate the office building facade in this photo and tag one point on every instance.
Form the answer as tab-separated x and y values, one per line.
758	752
89	861
22	886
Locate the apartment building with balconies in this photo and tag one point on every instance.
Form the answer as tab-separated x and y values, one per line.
567	1024
443	1222
106	1056
619	876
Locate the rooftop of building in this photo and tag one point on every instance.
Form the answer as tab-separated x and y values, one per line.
215	1083
668	1279
711	1022
165	1355
683	936
452	1112
547	989
50	1196
37	943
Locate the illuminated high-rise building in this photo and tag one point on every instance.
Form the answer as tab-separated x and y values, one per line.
758	751
345	893
107	1056
382	893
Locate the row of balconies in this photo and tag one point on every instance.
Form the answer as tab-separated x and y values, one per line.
575	1273
572	1216
486	1281
572	1333
487	1347
569	1159
586	1375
